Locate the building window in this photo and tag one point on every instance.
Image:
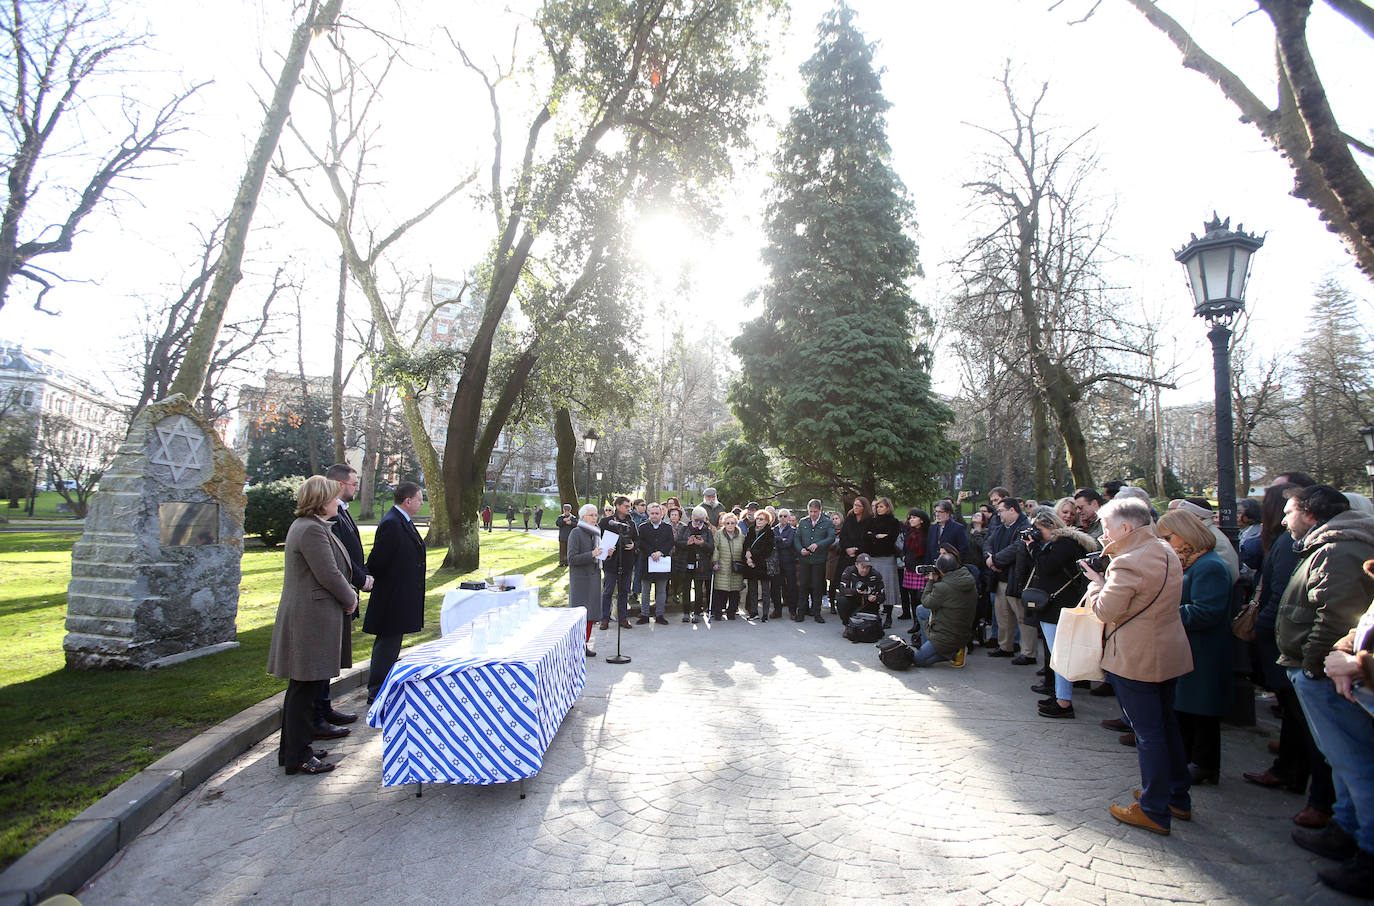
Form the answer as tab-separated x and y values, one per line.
27	398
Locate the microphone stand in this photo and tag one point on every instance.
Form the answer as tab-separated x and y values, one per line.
618	658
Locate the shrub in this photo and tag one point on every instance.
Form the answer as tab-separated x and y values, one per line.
271	509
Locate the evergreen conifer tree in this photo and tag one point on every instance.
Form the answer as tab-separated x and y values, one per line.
832	375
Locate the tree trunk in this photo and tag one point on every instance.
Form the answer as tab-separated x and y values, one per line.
565	462
437	536
307	417
336	381
1057	470
191	376
1159	439
372	435
1040	446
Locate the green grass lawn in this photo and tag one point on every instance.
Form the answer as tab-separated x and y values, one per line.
68	737
44	507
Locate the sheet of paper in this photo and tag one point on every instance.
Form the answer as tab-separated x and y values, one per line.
608	540
661	565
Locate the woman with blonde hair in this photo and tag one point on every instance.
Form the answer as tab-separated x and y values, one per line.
1203	695
311	638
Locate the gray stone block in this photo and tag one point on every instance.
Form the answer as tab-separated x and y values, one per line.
198	759
156	572
62	862
137	802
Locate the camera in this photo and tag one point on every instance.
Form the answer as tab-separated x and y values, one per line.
1028	534
1095	562
926	569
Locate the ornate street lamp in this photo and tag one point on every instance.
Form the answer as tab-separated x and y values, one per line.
1218	267
1367	432
589	447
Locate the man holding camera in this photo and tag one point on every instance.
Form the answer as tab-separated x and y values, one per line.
1005	567
861	589
945	614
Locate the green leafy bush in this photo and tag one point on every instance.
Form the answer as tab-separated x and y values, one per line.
271	509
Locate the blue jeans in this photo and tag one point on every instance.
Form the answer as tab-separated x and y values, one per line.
612	580
1164	778
926	655
1345	733
1063	689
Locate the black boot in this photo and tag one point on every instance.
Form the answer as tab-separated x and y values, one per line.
887	617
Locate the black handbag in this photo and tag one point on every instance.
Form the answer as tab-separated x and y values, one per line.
1037	599
896	654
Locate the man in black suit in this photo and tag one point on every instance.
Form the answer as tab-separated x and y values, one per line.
397	566
327	720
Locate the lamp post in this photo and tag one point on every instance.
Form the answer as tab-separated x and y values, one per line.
1218	267
1367	432
589	447
601	498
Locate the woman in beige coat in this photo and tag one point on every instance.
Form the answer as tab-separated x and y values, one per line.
1145	651
311	639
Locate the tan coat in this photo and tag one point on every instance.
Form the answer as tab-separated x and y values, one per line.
1145	641
312	636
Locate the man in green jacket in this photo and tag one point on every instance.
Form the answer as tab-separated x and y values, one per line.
1325	598
945	613
814	536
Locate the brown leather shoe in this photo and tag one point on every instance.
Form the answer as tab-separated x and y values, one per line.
1117	724
1179	813
1312	817
605	624
1133	816
1269	780
1127	739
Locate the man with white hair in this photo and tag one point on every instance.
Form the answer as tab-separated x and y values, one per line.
713	508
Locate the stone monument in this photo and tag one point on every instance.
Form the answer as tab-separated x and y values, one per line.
155	576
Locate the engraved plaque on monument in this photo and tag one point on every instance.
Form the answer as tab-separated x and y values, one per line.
155	576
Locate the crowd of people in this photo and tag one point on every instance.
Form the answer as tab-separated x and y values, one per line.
1170	590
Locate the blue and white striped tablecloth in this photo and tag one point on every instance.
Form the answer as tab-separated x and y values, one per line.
448	716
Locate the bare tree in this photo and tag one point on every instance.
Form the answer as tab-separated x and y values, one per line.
1299	123
75	457
166	327
348	90
53	55
1033	281
319	16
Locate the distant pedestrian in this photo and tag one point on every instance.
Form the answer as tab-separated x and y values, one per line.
538	518
486	518
565	522
527	517
510	516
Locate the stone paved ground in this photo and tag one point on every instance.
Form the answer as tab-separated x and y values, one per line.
742	764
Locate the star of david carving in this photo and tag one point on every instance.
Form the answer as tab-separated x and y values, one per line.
178	447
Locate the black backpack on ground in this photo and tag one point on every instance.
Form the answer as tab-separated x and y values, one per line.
864	627
895	653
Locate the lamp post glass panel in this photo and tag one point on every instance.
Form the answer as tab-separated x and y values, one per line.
1367	432
1218	267
589	447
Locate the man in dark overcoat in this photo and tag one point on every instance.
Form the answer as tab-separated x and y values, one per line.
397	567
328	722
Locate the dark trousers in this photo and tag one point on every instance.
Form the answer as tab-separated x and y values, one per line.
1164	779
850	604
615	581
811	586
723	602
911	599
689	588
298	720
757	598
1201	740
563	550
785	586
385	650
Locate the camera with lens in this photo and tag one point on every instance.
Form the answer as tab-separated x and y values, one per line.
1095	562
1028	534
926	569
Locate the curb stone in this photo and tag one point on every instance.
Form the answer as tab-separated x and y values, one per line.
71	855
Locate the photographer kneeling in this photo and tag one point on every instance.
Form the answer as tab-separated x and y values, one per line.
945	614
861	589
